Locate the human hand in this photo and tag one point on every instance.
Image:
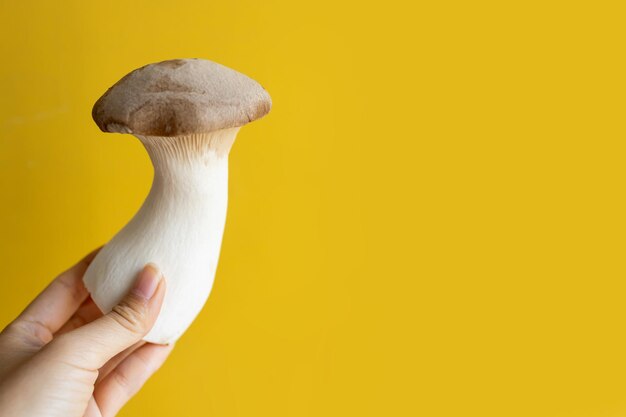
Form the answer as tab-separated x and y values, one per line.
62	357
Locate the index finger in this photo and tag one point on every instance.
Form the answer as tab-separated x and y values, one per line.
58	301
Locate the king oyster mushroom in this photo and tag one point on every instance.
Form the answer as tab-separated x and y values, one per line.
187	113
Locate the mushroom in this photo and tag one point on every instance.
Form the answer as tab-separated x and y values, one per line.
186	112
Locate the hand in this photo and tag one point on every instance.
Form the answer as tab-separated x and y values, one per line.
62	357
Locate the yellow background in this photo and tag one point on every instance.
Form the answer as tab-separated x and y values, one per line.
430	222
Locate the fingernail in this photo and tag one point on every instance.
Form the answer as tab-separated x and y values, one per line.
148	281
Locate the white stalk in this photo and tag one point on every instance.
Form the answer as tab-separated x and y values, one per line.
179	228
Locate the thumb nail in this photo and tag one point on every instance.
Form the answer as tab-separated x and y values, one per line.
148	281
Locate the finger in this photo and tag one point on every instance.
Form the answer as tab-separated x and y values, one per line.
86	313
128	377
117	359
55	305
94	344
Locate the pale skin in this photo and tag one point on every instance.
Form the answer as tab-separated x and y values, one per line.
62	357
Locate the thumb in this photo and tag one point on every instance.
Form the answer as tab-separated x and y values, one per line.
94	344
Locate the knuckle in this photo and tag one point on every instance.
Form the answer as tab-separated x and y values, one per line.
70	285
32	333
131	316
123	381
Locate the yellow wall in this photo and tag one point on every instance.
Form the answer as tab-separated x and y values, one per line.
430	222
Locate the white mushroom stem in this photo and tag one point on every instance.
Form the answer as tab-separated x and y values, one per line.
179	227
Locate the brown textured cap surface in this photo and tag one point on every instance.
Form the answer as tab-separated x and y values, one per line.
180	97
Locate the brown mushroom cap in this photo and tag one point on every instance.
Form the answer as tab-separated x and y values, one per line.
180	97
